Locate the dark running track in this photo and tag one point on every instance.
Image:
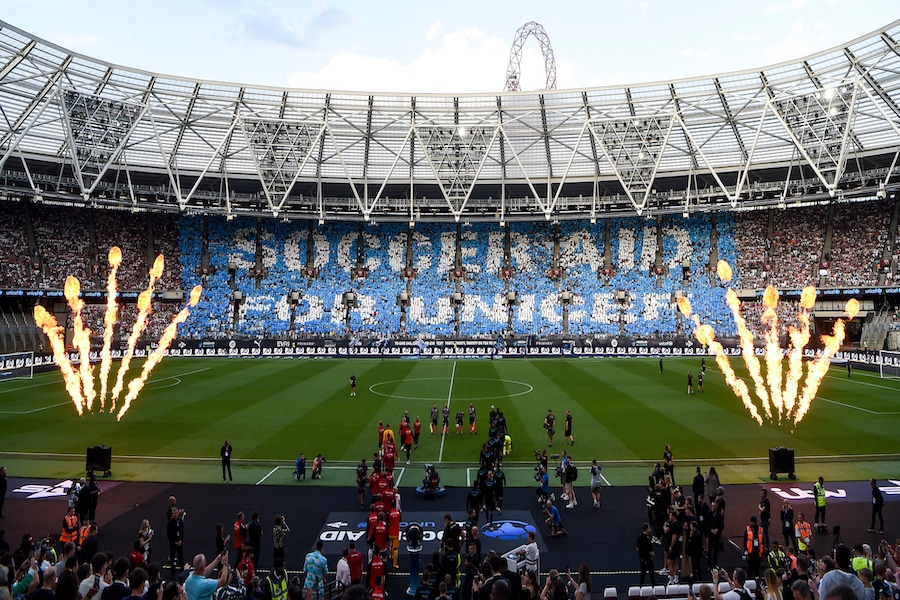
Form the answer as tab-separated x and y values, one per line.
604	538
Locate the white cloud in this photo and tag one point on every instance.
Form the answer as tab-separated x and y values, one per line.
465	60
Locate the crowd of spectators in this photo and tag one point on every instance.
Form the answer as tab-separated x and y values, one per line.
63	239
857	243
275	278
797	254
17	268
159	317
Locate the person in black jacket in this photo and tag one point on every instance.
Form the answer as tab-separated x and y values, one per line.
645	554
877	505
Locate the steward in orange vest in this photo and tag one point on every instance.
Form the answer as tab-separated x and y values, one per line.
69	531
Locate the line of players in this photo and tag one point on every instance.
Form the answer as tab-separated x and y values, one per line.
486	494
383	523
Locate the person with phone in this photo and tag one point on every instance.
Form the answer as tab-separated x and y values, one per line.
199	584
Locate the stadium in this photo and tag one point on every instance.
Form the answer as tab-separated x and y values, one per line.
549	234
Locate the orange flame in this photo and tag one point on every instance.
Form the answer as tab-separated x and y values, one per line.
54	333
818	368
773	350
140	324
684	305
81	339
706	335
168	336
723	269
747	350
109	321
808	297
769	388
852	308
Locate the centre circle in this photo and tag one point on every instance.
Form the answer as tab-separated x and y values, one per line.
525	389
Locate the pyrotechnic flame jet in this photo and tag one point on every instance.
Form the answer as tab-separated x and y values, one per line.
707	336
168	336
54	333
144	299
109	321
81	339
818	368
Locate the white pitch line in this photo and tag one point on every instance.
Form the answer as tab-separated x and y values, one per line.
43	408
34	410
267	475
399	477
859	408
605	479
449	394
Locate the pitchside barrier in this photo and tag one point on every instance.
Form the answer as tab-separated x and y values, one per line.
19	365
455	349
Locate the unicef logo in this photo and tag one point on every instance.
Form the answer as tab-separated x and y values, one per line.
508	531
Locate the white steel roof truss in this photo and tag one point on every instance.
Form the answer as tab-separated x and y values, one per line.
548	210
633	156
281	154
534	193
699	150
409	134
97	135
217	152
814	143
455	169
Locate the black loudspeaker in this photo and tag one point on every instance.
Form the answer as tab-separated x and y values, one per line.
781	460
99	460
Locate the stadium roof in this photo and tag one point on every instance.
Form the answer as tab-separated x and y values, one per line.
82	131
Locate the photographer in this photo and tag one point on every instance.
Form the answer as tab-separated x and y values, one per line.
554	520
549	424
543	479
318	463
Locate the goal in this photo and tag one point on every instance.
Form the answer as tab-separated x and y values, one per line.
889	364
19	365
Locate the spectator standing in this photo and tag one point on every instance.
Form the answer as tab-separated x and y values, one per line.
316	568
787	524
765	515
877	505
279	530
255	535
644	548
239	537
669	464
199	585
225	452
819	495
712	484
93	496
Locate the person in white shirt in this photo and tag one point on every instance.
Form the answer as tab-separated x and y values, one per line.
342	574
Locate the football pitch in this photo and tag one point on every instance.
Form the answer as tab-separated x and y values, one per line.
272	409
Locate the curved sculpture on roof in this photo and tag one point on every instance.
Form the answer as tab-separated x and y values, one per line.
79	130
514	70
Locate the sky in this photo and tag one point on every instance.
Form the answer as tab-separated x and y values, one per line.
461	46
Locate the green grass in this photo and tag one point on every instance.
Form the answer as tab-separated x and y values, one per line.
273	409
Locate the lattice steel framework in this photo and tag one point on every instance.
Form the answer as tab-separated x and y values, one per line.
79	130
